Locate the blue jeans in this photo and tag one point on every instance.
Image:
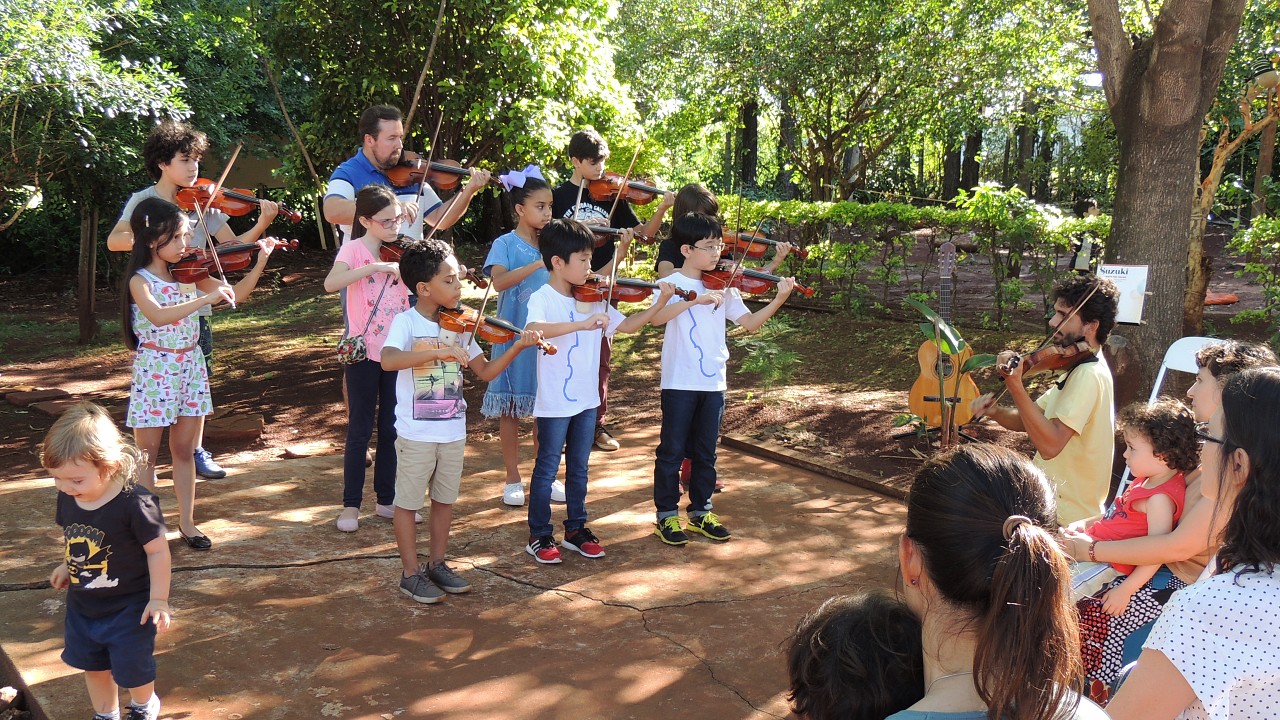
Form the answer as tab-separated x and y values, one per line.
370	390
574	435
690	429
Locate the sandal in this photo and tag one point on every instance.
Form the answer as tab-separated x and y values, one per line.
196	542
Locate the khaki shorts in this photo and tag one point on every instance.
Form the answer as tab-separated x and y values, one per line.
427	467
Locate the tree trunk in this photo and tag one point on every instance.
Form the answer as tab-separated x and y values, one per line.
786	151
1004	165
749	143
88	271
1043	191
951	174
1266	157
969	169
1026	145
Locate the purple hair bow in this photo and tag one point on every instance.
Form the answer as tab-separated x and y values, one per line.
517	178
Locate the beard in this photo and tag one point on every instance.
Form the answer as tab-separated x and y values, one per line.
389	161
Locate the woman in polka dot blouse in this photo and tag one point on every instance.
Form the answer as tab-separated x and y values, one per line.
1212	653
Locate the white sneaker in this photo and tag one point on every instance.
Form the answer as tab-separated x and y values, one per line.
557	491
349	519
389	512
513	494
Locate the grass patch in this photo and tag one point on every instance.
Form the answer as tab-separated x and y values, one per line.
28	340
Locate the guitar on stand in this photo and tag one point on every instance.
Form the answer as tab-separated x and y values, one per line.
941	395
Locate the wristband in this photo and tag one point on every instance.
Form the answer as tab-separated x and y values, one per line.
1092	547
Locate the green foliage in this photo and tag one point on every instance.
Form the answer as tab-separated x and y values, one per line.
766	356
1006	225
1259	247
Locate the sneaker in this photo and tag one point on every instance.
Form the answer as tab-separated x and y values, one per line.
206	467
150	711
604	440
446	579
669	531
543	549
557	491
421	589
349	519
389	512
513	494
710	526
584	542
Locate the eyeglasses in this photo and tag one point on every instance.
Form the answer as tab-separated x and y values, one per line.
389	223
712	248
1203	435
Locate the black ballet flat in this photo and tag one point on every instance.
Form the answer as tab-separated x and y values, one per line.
196	542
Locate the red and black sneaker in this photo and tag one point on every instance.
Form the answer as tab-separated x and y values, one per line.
584	542
543	549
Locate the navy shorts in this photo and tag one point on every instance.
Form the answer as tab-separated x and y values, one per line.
116	642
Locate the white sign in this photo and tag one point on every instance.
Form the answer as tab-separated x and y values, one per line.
1131	280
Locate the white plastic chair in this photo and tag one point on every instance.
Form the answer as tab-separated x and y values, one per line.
1180	356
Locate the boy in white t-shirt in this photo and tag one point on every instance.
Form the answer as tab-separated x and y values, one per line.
431	414
568	385
694	355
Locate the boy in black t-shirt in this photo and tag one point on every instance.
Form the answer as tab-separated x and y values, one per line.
588	153
117	565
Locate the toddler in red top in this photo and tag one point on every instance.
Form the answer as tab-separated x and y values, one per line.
1160	447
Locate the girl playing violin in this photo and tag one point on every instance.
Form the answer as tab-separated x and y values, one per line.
170	384
515	264
696	198
172	156
374	295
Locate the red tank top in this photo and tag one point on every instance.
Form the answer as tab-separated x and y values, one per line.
1123	522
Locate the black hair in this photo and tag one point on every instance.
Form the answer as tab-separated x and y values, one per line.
1251	417
1231	356
370	200
167	140
422	260
152	220
1009	578
588	145
857	657
1102	305
372	117
695	198
1082	206
561	238
688	229
531	185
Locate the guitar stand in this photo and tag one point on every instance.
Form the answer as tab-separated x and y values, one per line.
935	432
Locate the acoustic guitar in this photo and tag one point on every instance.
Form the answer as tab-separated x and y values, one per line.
953	384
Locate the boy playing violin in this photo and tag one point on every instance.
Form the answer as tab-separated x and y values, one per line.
172	156
694	356
431	414
572	200
568	394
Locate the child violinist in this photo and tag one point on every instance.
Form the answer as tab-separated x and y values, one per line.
170	386
374	296
431	414
568	393
696	198
694	357
515	264
116	565
172	156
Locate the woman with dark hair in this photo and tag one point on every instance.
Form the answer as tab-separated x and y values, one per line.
1212	652
990	585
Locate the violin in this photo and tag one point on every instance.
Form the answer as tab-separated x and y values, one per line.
441	174
463	319
748	281
603	233
1054	358
393	250
636	193
235	202
596	289
755	245
199	263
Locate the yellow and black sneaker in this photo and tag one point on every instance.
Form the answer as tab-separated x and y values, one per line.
709	525
670	532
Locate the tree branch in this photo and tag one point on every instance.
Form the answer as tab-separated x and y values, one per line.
1112	45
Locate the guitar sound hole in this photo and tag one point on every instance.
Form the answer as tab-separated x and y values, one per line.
946	366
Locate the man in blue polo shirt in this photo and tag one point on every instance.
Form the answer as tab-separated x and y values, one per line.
381	131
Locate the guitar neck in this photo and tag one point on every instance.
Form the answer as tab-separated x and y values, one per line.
944	294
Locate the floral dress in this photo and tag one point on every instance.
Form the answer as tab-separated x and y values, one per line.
169	375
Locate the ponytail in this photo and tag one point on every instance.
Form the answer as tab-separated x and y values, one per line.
982	518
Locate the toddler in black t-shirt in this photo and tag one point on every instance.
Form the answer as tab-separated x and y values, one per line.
116	567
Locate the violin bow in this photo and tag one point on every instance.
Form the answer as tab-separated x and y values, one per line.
210	241
479	317
423	185
750	241
617	199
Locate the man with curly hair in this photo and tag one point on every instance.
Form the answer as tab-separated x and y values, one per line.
1072	425
172	156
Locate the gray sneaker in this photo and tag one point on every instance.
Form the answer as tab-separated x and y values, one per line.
421	589
446	579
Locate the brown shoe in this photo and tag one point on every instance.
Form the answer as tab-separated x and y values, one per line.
605	441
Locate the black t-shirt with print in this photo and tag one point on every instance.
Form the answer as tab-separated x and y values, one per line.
562	199
104	550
